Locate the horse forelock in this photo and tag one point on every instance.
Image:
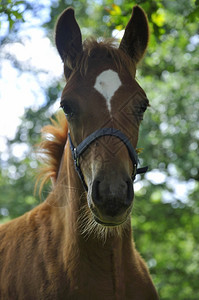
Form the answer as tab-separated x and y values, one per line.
51	148
108	48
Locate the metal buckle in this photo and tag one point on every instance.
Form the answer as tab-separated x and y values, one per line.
76	158
134	172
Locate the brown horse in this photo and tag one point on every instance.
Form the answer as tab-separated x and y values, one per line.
78	243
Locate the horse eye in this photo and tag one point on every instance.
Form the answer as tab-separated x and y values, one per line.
143	106
67	110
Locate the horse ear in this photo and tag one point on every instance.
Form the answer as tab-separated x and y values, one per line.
136	35
68	38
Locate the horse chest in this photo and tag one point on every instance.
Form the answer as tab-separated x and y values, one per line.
102	280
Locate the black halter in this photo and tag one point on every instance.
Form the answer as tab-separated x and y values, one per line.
77	151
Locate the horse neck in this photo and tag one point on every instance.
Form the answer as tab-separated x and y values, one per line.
113	250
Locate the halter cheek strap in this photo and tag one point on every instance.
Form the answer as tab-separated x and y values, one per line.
77	151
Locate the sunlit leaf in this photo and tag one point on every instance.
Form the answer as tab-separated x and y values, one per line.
116	10
158	18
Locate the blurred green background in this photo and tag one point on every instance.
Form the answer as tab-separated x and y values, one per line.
166	211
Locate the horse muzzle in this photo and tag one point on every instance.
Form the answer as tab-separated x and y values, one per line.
111	200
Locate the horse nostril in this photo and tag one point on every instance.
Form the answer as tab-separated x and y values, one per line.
95	191
130	192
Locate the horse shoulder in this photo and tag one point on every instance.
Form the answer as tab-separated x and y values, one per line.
29	262
140	280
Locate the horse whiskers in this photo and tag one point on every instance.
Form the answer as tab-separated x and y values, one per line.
88	226
85	219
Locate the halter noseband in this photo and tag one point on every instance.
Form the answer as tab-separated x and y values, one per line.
77	151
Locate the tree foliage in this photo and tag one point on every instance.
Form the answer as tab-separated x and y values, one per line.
166	210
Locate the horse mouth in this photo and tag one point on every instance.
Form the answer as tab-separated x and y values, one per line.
109	216
108	221
108	224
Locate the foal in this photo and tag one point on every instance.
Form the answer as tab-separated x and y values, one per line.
78	243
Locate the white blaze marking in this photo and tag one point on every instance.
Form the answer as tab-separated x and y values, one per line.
107	83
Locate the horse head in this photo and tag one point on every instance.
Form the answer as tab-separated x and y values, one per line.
104	106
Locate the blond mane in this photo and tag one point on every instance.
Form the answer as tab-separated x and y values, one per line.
51	149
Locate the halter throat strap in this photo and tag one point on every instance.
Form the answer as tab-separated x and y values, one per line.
77	151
